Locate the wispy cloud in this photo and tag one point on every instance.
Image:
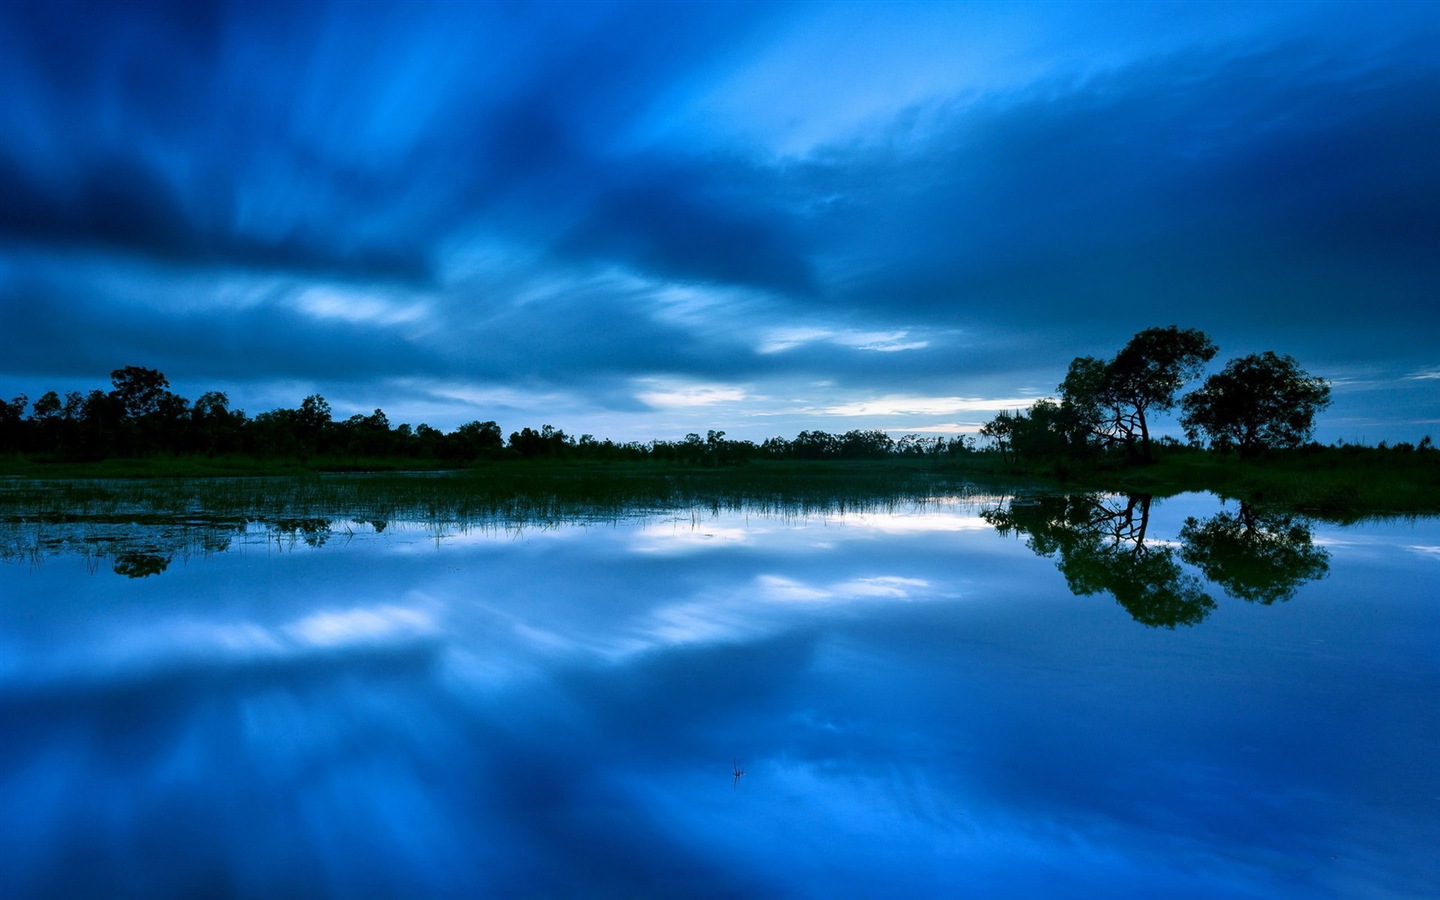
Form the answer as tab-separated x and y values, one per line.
924	406
663	394
358	307
778	340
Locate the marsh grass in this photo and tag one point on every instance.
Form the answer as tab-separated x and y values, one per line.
154	519
165	517
1338	484
518	491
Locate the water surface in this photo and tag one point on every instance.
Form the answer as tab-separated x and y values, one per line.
1082	696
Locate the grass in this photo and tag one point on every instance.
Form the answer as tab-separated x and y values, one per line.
147	521
1340	484
509	492
199	466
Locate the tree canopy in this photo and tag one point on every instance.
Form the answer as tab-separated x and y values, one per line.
1256	402
1113	398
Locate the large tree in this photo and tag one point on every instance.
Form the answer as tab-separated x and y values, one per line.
1256	402
1114	398
141	391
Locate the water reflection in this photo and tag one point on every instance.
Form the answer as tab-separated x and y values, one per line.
917	705
1258	556
140	565
142	545
1101	547
1104	544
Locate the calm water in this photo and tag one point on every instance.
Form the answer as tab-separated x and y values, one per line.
1051	697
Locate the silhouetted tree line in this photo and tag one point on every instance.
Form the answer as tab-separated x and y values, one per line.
141	416
1256	403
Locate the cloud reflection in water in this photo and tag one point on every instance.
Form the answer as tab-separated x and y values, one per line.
921	706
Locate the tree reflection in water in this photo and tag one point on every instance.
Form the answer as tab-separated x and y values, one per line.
141	565
1102	546
143	544
1257	556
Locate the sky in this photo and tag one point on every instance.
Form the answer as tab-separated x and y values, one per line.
638	220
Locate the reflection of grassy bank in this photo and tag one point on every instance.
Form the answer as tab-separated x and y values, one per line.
143	524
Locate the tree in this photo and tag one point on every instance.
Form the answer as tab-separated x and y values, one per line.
11	415
139	390
1049	430
47	418
476	439
863	444
815	445
311	423
1256	402
1046	431
214	427
152	416
315	414
101	417
548	441
1001	431
1114	398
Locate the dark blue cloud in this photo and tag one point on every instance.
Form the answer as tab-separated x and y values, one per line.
1223	188
123	205
680	227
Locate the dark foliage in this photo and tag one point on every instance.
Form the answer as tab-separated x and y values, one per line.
1101	547
1257	402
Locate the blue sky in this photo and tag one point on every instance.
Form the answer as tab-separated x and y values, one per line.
638	220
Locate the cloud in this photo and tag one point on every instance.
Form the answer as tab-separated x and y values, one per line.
667	395
925	406
329	303
778	340
1257	190
124	205
680	226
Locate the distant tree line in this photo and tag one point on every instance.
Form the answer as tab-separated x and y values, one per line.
141	416
1256	403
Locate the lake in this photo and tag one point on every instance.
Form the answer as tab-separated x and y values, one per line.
973	695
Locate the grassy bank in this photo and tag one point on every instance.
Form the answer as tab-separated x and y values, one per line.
514	492
200	466
1339	483
1335	483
